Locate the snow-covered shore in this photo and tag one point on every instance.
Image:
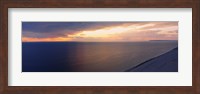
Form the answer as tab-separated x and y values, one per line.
167	62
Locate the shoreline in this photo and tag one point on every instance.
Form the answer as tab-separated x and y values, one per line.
166	62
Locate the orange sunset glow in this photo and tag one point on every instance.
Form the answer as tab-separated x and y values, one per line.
98	31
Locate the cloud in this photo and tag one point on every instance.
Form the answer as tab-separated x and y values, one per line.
99	31
60	29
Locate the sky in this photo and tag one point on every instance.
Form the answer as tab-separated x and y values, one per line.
98	31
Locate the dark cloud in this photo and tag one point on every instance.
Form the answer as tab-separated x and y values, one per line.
59	29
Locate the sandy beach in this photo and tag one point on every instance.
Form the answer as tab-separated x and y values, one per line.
167	62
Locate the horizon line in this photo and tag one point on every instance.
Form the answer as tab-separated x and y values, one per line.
101	41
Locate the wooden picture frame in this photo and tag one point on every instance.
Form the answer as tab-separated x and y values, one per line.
5	4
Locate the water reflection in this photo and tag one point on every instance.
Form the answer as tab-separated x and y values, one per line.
89	57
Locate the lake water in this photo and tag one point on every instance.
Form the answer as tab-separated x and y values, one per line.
89	56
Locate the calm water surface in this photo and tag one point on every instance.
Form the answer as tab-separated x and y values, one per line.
89	56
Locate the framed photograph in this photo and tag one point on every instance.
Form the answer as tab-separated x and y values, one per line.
99	47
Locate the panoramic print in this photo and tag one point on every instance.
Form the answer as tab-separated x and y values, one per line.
100	46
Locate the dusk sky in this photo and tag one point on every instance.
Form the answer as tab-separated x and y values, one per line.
98	31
